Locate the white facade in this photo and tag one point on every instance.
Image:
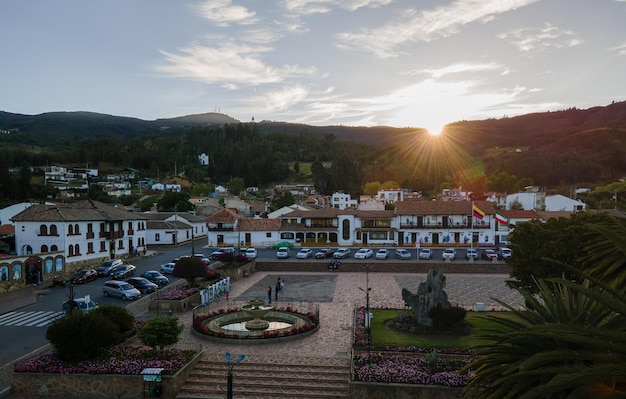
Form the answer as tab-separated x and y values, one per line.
7	213
563	203
343	201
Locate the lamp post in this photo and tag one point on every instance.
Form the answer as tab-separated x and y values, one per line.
229	376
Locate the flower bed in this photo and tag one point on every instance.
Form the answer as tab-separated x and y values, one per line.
408	365
129	360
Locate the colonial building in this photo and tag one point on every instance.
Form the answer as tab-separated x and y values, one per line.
69	236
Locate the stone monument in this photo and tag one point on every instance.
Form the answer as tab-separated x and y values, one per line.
430	294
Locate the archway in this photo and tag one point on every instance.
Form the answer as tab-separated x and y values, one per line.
34	270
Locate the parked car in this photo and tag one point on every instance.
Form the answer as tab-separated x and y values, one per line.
363	253
426	253
123	271
490	254
84	305
283	253
382	253
144	285
342	253
105	268
218	254
167	268
60	281
471	253
83	276
504	252
402	254
120	289
155	277
251	253
305	253
325	253
449	254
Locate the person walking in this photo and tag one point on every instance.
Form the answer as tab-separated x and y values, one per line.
282	287
269	294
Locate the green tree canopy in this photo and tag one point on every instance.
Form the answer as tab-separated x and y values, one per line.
171	201
160	332
189	268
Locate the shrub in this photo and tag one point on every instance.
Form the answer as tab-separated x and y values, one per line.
161	332
82	336
124	321
189	268
445	318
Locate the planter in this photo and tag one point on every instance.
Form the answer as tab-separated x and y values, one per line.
236	271
174	305
96	385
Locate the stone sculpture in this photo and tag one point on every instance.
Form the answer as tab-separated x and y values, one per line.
430	294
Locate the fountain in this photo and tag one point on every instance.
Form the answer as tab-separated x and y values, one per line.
255	322
257	309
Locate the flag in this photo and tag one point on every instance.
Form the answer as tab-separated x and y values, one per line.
501	219
478	214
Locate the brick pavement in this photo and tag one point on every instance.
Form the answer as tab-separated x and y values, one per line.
338	294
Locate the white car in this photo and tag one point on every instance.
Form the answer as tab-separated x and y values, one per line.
382	253
167	268
402	254
250	253
471	253
305	253
504	253
342	253
282	253
449	254
426	253
363	253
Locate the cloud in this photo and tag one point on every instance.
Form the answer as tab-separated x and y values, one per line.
223	13
230	65
457	69
426	26
309	7
621	49
530	39
281	99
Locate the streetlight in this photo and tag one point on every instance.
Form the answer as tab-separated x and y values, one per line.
229	376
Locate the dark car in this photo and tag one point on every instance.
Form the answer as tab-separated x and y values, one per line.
105	268
324	253
490	254
60	281
155	277
83	276
122	271
144	285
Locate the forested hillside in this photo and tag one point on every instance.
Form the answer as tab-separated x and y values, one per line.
553	148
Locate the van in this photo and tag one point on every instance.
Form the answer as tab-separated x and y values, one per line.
120	289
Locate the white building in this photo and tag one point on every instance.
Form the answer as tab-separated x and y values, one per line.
559	202
343	201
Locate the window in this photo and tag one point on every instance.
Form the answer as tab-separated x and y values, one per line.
53	230
346	230
90	247
44	249
287	236
70	230
103	247
76	229
268	235
43	230
157	237
76	250
53	248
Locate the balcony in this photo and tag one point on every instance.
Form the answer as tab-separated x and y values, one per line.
111	235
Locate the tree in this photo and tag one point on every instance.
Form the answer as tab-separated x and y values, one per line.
160	332
189	268
535	243
284	199
570	339
171	201
236	185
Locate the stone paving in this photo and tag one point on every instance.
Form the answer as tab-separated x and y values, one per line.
337	296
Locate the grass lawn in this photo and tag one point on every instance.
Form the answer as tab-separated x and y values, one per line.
382	335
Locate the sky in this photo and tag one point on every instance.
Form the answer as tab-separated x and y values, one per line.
418	63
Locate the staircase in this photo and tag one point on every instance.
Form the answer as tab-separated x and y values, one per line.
270	377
